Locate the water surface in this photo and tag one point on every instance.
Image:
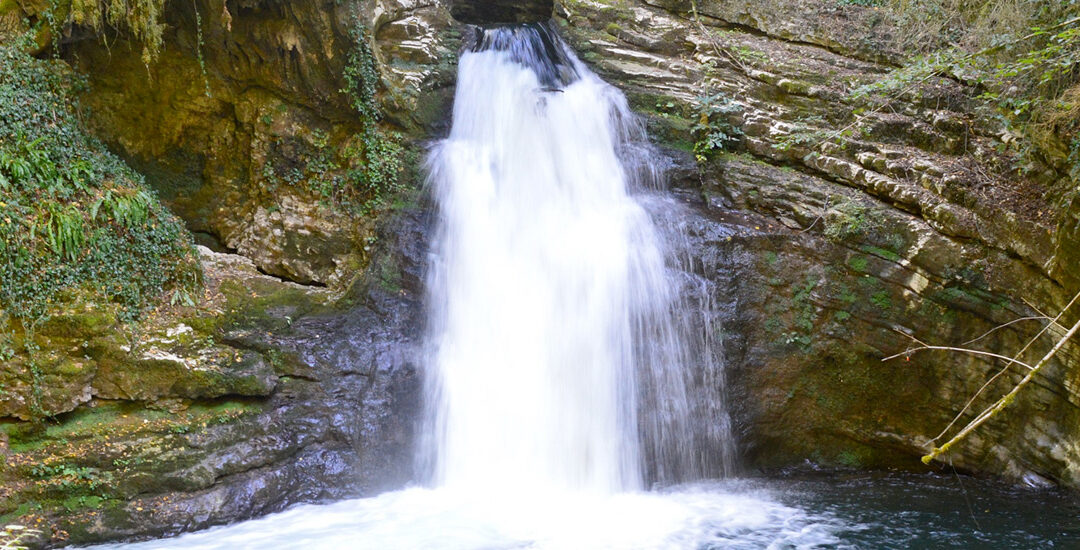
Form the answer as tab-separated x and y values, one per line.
812	511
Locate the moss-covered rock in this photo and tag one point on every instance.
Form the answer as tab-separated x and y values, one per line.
265	389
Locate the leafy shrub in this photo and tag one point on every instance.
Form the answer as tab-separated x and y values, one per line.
713	130
1024	58
73	216
375	169
365	174
929	25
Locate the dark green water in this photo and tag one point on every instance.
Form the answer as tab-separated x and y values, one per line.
926	511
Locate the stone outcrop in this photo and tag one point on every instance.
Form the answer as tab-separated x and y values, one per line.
267	394
241	121
494	12
270	390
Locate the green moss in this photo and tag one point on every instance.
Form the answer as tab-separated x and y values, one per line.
79	325
87	421
226	410
858	263
8	7
76	503
881	300
966	296
851	459
882	253
847	296
794	86
389	277
262	304
846	221
109	420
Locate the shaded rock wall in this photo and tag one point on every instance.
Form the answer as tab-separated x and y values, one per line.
266	392
493	12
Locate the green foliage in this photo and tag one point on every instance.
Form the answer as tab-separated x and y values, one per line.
1024	58
365	175
805	315
858	263
74	217
714	131
881	300
929	25
846	221
918	70
141	18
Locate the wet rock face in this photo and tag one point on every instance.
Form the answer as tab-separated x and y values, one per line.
274	394
831	254
494	12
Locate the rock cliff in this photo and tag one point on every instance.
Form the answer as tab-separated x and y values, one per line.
862	227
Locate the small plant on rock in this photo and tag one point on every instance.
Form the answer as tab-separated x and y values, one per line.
714	130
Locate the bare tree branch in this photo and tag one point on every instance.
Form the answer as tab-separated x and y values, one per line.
1005	400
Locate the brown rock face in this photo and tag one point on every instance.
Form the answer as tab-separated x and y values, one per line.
242	123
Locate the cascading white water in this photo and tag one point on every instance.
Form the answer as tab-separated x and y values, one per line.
557	358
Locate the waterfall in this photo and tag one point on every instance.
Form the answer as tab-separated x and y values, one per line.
563	352
572	360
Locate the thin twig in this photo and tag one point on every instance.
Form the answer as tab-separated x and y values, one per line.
824	210
722	52
999	327
961	350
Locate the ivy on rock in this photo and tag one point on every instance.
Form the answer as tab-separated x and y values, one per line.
74	219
